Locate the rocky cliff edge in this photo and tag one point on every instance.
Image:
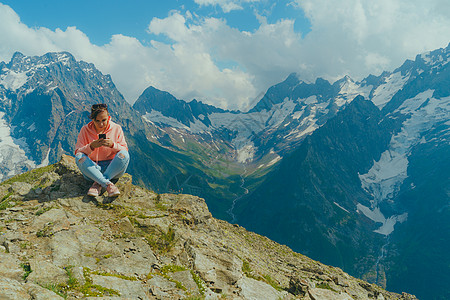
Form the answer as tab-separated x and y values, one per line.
57	243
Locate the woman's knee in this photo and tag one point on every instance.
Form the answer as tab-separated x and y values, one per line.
80	158
123	155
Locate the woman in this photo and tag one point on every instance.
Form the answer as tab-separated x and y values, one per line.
101	151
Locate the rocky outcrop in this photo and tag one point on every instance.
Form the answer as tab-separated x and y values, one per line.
58	243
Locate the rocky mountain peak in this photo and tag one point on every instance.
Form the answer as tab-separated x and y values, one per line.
56	242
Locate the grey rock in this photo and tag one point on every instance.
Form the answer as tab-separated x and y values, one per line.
252	289
125	225
126	288
44	272
10	267
185	278
76	204
21	188
11	289
340	280
324	294
163	288
161	282
58	220
39	293
13	236
103	298
78	274
135	257
20	217
220	270
12	247
67	250
108	249
133	264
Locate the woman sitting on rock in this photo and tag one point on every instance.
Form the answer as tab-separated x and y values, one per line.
101	151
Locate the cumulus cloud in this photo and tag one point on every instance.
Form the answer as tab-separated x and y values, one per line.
206	59
359	37
251	63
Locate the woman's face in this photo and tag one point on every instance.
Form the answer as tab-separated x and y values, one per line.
101	121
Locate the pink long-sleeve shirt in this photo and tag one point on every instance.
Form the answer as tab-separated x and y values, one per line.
88	134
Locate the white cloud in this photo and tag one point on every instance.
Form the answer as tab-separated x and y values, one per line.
260	58
226	5
208	60
359	37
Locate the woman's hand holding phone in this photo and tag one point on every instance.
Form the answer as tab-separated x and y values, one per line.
102	141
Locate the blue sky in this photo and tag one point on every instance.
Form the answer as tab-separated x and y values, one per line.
100	19
226	52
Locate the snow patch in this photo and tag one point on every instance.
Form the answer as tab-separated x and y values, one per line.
386	175
13	81
335	203
157	117
246	153
310	100
384	93
198	126
377	216
274	161
350	90
13	159
384	179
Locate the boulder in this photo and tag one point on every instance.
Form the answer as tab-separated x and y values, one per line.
10	267
44	272
11	289
252	289
128	289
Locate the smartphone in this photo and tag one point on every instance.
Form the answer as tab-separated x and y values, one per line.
102	136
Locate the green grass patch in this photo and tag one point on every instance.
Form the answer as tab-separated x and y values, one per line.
58	289
91	290
172	269
27	268
246	269
159	240
24	245
31	177
43	210
6	202
272	282
164	272
131	278
325	286
63	289
199	282
46	231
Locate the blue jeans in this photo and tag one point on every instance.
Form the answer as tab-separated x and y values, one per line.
102	171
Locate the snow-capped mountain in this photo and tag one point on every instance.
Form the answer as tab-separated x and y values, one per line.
26	93
286	114
293	109
44	102
357	170
372	183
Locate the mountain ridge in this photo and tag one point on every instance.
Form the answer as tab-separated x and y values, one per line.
60	243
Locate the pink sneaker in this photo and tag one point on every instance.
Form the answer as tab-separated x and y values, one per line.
95	190
112	190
